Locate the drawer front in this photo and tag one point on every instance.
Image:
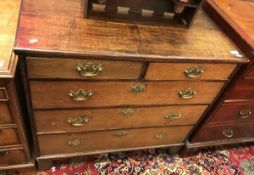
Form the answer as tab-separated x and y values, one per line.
59	94
10	157
117	118
8	137
249	73
189	71
82	69
5	114
3	94
220	132
234	112
242	89
110	140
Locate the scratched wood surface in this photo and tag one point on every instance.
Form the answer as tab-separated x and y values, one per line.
239	15
66	33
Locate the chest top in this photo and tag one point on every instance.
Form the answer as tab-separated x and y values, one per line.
8	24
238	14
56	30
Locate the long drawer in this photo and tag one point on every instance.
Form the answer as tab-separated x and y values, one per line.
10	157
116	118
68	94
5	114
234	113
8	136
82	69
110	140
189	71
220	132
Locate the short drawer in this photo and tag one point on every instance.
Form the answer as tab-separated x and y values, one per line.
3	94
111	140
10	157
189	71
249	73
220	132
5	114
82	69
234	113
59	94
116	118
8	136
242	89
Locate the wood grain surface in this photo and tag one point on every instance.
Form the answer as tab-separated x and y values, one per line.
239	14
116	118
8	136
231	113
64	35
65	69
212	133
108	140
5	114
50	95
176	71
8	24
13	156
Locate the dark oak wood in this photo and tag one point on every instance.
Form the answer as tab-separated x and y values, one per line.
239	112
225	131
12	156
8	136
236	19
241	90
5	114
3	94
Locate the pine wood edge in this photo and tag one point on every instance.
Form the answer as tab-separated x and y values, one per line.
11	68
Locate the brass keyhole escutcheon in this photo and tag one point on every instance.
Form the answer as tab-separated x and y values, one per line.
137	88
121	133
127	112
160	136
75	142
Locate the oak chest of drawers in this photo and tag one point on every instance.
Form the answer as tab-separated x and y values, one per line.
94	86
14	147
231	120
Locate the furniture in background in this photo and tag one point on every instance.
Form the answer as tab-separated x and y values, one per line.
163	12
231	120
14	146
94	86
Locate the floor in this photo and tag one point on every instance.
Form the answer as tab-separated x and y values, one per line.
216	161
